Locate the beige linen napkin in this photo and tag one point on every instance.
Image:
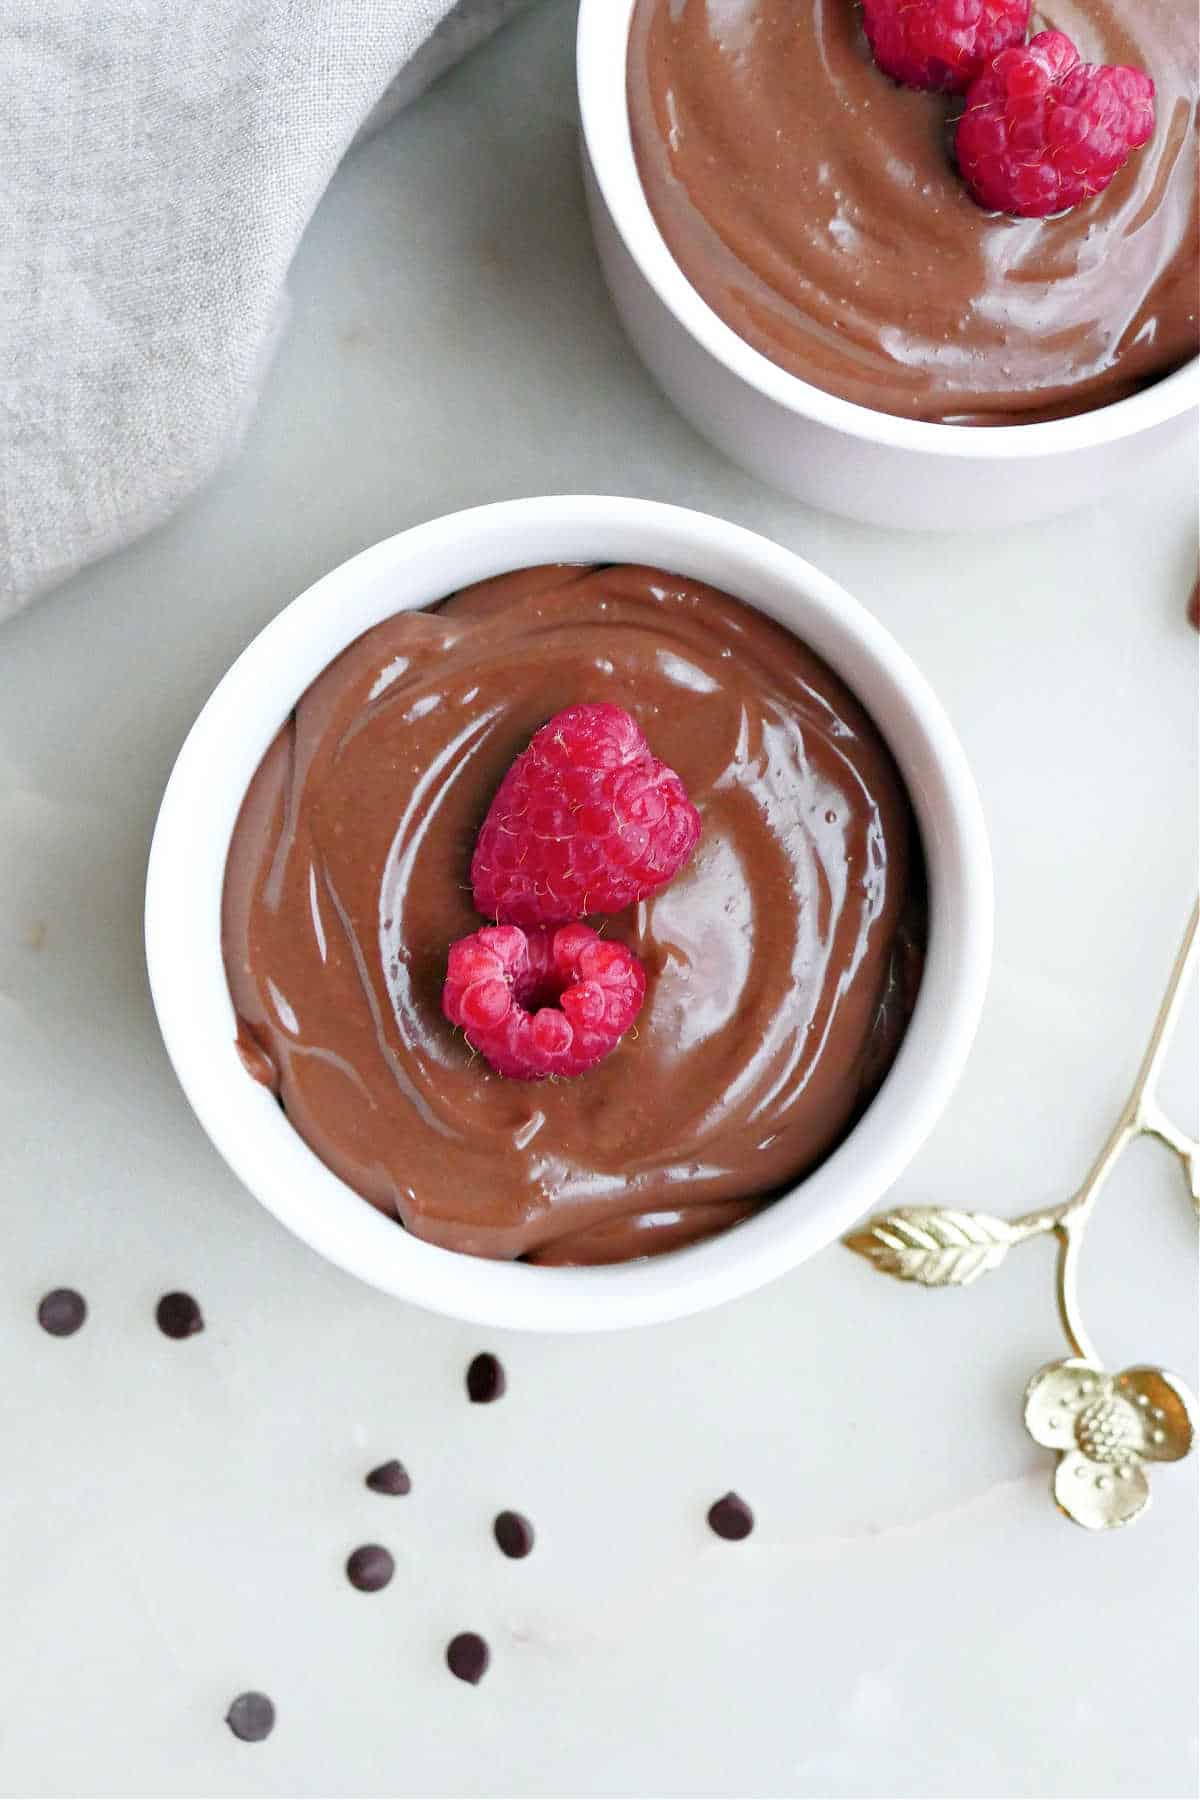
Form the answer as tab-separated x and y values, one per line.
159	161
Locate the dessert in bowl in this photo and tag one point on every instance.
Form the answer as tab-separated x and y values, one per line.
799	261
777	968
769	1090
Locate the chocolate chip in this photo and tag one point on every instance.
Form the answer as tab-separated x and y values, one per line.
370	1568
62	1312
514	1533
1194	606
178	1316
485	1378
390	1478
467	1656
251	1718
730	1517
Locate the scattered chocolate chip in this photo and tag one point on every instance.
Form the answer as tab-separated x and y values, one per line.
514	1533
467	1656
370	1568
1194	606
730	1517
485	1378
178	1316
62	1312
390	1478
251	1718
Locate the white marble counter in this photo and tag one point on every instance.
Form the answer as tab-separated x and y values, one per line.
911	1616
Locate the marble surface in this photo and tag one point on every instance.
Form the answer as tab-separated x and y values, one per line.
911	1616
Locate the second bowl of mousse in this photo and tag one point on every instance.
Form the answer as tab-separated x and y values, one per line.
813	960
798	259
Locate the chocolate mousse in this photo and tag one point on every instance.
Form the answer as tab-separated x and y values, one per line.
781	962
815	205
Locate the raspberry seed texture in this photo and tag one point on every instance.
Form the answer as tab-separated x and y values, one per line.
542	1002
1043	131
586	820
941	45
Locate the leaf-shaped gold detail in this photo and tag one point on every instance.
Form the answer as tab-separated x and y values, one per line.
936	1246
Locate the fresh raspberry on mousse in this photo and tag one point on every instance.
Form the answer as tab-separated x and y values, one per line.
587	820
542	1002
1043	131
941	44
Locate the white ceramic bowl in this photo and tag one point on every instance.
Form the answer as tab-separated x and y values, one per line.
835	455
223	749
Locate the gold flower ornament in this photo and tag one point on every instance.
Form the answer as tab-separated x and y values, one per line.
1104	1427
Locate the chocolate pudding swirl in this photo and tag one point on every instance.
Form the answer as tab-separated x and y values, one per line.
814	204
781	962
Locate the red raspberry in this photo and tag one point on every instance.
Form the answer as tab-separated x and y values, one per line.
585	821
542	1002
1043	131
941	44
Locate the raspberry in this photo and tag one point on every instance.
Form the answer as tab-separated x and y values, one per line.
542	1002
1043	131
941	44
585	821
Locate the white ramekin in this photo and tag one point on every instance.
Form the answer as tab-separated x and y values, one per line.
845	458
223	749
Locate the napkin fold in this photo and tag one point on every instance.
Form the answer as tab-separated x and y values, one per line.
158	165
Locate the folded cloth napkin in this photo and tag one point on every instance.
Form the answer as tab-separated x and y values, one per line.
159	162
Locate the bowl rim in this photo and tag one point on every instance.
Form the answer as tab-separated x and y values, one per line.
601	54
412	569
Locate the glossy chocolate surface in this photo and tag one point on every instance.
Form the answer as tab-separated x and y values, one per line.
781	963
814	204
